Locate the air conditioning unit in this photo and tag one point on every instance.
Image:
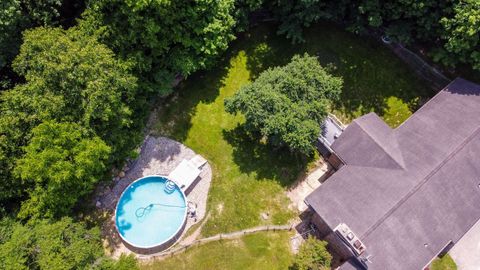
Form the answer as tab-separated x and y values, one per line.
352	241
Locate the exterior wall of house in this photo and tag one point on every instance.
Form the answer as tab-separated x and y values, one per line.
342	252
335	161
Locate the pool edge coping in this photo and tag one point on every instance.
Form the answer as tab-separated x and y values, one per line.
174	235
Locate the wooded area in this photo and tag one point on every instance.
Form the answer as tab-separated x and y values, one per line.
77	80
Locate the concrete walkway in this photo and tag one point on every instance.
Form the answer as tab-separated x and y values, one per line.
305	186
466	253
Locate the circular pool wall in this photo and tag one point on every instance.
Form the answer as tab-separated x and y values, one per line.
149	217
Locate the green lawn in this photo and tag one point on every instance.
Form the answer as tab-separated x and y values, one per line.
248	177
374	78
256	251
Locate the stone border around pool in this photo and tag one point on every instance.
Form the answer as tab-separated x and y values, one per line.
158	156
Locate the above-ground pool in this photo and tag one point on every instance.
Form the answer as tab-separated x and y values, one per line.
151	214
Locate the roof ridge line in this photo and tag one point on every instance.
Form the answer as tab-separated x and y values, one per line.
423	182
401	163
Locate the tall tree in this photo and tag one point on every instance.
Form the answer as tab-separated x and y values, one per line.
70	77
288	104
297	14
63	162
462	34
45	245
18	15
165	38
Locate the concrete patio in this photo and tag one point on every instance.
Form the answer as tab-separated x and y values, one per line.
466	252
158	156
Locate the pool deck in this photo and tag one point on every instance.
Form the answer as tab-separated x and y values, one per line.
158	156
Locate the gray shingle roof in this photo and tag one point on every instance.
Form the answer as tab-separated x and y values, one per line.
410	186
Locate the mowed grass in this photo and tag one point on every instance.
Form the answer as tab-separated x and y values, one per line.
249	178
374	78
257	251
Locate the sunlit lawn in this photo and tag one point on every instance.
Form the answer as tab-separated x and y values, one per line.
248	177
258	251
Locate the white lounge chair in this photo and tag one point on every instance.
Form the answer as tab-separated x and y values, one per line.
184	174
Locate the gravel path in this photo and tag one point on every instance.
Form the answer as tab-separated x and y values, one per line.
158	156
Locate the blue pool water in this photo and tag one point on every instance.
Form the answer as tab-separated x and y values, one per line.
146	215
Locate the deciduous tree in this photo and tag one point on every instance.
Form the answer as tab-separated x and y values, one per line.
165	38
63	162
70	77
64	244
288	104
312	255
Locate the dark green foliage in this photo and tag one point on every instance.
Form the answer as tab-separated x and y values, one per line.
164	38
64	163
403	20
243	9
45	245
70	77
287	104
6	229
451	27
462	35
313	255
18	15
297	14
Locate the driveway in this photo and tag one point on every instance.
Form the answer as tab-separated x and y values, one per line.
466	253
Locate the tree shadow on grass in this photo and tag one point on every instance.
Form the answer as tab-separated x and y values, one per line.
371	72
174	112
253	156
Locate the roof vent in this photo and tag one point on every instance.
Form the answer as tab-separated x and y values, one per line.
352	241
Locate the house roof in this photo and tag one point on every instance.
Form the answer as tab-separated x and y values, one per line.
407	192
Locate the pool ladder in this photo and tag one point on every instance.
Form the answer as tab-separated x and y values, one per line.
170	187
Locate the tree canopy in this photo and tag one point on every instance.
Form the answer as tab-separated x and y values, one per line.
70	77
64	244
164	38
64	163
288	104
451	27
313	254
18	15
462	34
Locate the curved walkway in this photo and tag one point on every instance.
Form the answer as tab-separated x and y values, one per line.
158	156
